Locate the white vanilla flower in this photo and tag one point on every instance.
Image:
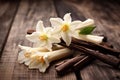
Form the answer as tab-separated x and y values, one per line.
43	37
25	55
30	57
41	60
65	27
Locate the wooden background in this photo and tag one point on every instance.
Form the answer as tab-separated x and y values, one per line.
19	15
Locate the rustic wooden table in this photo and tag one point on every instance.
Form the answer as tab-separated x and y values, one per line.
18	16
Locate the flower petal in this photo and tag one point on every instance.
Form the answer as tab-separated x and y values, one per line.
40	44
56	24
66	37
21	57
56	35
40	26
34	64
42	68
34	37
48	30
54	40
86	23
75	24
24	47
27	61
49	45
67	18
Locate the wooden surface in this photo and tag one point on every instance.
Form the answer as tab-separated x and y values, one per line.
18	16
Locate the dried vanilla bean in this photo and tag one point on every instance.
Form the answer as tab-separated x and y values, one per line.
97	55
68	64
106	44
73	64
100	48
82	63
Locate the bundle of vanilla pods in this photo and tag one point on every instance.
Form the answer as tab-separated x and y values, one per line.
91	52
62	39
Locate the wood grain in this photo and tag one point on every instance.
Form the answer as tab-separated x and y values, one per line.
7	12
109	27
29	12
16	19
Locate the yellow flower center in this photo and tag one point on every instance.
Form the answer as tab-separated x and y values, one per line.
43	37
27	55
65	28
40	59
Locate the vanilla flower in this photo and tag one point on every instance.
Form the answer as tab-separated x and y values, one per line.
65	27
30	57
43	37
41	60
25	55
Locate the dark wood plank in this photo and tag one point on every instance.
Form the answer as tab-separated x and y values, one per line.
108	27
29	12
62	8
7	13
106	16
